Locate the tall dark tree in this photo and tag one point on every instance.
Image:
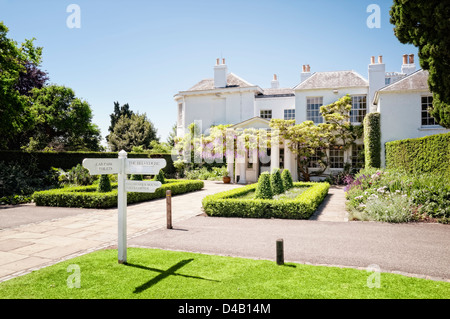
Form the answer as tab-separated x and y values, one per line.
118	112
426	25
136	130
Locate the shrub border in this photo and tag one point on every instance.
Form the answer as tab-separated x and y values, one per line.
226	204
88	197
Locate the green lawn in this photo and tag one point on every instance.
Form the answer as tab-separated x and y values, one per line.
152	273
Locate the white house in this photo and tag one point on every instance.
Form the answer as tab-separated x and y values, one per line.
401	98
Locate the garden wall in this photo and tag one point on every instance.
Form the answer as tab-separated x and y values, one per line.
420	155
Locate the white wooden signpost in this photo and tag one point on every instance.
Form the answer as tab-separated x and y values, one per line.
123	166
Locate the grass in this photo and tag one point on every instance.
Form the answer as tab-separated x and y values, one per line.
159	274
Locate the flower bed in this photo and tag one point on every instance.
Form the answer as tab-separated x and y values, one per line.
395	196
231	204
88	197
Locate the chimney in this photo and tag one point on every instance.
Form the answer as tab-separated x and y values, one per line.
377	78
220	74
306	73
408	67
275	84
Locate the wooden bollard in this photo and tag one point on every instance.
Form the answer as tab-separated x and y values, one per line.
169	208
280	252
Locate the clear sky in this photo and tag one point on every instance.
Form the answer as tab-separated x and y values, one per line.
144	52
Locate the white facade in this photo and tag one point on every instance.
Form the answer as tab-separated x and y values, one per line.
228	99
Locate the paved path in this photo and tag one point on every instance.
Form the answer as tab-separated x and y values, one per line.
34	237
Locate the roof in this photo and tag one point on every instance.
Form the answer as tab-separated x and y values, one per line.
332	80
254	122
280	92
415	81
232	81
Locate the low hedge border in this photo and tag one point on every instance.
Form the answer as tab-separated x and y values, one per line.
88	197
227	204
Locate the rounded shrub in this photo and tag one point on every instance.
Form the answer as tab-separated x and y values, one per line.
104	185
160	177
264	189
276	182
136	177
286	177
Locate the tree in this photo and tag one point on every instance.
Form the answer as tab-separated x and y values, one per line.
61	121
172	136
14	113
136	130
31	77
118	112
426	25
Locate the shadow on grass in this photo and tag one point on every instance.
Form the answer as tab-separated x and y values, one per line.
164	274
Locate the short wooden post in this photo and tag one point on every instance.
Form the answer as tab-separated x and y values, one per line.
169	208
280	252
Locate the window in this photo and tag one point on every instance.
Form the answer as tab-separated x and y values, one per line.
314	159
265	114
359	108
289	114
358	156
313	105
336	156
427	119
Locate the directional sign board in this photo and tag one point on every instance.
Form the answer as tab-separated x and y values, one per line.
123	166
150	166
102	166
142	186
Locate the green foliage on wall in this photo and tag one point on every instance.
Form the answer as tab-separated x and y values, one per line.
372	140
430	154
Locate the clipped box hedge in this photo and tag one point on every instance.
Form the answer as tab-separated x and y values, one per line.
429	154
228	203
88	197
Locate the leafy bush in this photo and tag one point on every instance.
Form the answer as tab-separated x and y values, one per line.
286	177
77	175
264	187
229	203
136	177
160	177
104	184
89	197
203	173
19	181
276	182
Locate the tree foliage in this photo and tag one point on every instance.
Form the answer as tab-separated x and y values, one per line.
426	25
14	115
136	130
61	121
118	112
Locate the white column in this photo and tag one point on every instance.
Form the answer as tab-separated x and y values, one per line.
275	150
230	169
122	209
242	169
287	156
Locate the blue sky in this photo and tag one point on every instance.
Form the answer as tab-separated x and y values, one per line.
144	52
